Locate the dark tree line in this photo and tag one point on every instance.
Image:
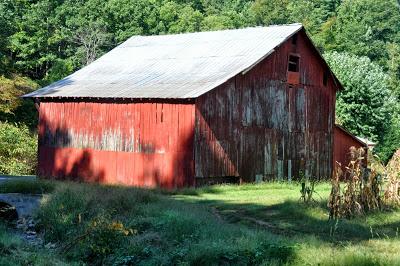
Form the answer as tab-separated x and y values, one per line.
45	40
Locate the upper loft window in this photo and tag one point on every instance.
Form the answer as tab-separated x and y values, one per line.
293	65
325	78
294	39
293	75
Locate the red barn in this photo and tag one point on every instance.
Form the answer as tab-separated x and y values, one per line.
176	110
343	141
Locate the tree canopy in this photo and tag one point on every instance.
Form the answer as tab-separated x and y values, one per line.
45	40
364	105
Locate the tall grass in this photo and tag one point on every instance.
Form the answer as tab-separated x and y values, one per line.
102	225
262	224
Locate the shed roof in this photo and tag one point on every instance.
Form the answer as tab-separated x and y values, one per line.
355	138
171	66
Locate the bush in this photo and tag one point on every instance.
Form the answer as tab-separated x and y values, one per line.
18	150
364	105
391	141
12	107
90	220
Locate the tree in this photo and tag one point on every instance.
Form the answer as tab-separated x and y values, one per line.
365	103
391	141
267	12
14	109
18	149
38	41
317	17
363	27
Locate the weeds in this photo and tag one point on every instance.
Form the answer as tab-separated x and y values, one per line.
307	188
335	198
361	193
392	191
99	225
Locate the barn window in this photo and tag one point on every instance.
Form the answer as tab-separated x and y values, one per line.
325	78
293	74
294	39
293	65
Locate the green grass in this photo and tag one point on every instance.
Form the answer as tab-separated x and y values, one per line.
13	251
27	186
263	224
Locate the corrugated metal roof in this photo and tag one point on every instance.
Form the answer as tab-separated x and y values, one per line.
171	66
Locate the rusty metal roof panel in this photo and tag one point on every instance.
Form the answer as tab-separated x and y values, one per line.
171	66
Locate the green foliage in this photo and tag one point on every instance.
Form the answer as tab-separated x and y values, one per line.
363	27
219	225
15	251
14	109
364	105
47	40
391	141
268	12
17	150
123	226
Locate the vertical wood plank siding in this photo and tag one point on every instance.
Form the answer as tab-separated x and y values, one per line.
258	125
254	126
343	141
140	144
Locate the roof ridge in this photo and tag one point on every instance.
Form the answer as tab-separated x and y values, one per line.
148	70
221	30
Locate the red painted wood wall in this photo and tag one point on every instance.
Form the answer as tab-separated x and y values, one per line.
140	144
257	126
343	141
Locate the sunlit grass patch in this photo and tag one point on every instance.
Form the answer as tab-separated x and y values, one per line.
254	224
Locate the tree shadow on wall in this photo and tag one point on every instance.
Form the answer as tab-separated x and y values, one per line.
57	160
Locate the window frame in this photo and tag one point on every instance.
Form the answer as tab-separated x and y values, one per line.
298	62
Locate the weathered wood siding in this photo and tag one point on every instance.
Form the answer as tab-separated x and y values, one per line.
257	126
141	144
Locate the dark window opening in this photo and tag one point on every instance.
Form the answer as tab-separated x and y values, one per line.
325	78
294	39
293	63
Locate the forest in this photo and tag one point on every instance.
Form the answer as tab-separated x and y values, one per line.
42	41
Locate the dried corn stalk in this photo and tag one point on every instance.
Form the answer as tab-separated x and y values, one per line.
335	198
361	192
392	191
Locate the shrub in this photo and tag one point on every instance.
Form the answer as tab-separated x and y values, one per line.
18	150
12	107
89	221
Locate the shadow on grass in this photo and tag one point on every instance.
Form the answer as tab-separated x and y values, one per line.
295	219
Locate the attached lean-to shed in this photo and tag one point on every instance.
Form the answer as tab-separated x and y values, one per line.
344	140
179	110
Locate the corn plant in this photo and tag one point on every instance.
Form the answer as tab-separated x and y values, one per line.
307	188
335	198
361	192
392	191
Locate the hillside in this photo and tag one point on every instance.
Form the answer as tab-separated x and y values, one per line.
45	40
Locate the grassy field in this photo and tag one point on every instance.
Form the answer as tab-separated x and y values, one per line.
263	224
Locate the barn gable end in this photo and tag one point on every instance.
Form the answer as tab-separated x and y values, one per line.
260	127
